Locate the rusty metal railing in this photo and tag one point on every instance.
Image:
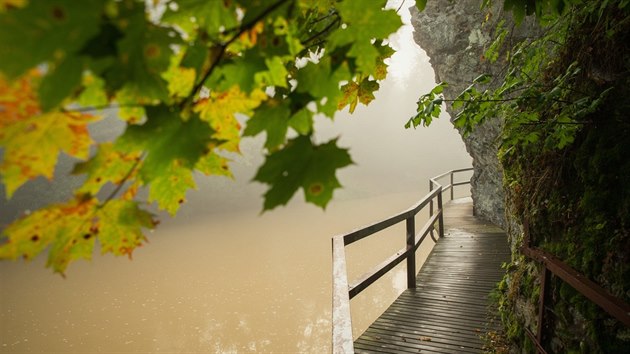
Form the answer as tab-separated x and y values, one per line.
343	290
551	265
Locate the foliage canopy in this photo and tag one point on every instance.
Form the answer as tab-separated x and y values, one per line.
180	73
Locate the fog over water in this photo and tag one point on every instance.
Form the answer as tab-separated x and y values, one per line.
221	276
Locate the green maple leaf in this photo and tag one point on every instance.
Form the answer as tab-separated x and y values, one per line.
302	164
276	75
209	15
271	117
241	71
60	82
34	34
144	53
172	147
366	21
322	82
119	226
302	121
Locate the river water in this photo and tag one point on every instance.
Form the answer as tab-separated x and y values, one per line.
221	276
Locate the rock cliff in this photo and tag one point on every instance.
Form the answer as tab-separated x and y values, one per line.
455	35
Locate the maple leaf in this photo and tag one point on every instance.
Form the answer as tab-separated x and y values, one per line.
93	92
60	81
212	164
354	93
119	225
302	164
169	189
37	32
144	53
32	145
273	118
18	100
173	148
65	228
322	82
219	111
209	15
107	165
365	21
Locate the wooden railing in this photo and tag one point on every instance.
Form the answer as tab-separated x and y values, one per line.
551	265
343	291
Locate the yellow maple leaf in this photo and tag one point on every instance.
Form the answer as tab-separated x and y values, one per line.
220	109
18	99
65	229
180	79
32	145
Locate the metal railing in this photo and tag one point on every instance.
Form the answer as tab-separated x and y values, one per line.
551	265
343	291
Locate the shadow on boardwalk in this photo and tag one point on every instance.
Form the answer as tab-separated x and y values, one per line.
449	310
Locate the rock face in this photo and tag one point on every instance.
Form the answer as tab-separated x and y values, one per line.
454	35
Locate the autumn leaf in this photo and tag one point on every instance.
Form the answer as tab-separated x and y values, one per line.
212	164
180	79
220	109
107	165
119	225
32	145
169	189
18	99
354	93
65	228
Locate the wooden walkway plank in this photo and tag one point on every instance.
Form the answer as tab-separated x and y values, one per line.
449	310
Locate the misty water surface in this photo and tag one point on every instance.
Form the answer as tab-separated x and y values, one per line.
221	277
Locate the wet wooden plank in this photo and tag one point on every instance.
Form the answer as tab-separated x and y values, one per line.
449	310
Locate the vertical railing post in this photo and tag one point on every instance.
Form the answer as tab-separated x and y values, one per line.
544	290
452	186
341	317
411	256
441	217
431	202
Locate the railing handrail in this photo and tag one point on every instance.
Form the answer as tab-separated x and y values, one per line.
342	341
614	306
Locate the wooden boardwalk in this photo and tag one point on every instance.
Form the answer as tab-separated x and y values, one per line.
449	310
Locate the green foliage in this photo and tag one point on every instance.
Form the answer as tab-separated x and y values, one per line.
178	72
563	97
